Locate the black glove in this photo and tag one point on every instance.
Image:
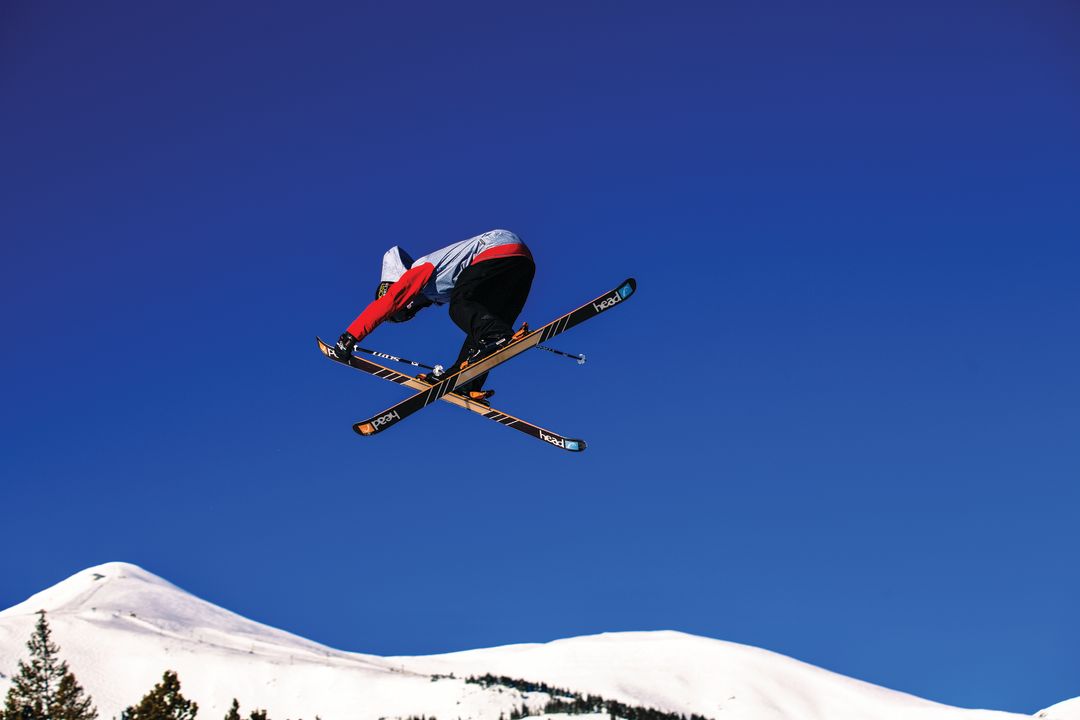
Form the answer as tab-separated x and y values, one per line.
344	347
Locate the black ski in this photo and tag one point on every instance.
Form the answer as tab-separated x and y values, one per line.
373	368
405	408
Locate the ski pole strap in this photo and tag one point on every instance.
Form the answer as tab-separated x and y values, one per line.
387	356
580	358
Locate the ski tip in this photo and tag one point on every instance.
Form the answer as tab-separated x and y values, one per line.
574	445
571	444
328	352
378	423
628	288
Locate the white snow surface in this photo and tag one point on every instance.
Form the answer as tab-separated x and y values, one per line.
1068	710
120	627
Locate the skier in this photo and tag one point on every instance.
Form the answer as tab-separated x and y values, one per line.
486	279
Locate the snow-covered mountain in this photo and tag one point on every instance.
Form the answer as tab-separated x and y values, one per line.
120	627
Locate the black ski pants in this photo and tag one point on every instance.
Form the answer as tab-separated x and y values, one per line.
485	303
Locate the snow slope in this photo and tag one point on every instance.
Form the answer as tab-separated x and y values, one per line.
689	674
1068	710
120	627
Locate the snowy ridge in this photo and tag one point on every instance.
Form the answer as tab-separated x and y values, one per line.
120	627
687	674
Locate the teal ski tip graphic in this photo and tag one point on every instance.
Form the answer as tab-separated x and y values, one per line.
571	444
606	303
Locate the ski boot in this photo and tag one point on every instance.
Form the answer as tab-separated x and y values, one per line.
478	396
493	345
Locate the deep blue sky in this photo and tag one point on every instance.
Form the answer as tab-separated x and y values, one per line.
839	420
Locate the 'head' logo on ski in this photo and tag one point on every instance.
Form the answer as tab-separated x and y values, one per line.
553	440
607	302
385	419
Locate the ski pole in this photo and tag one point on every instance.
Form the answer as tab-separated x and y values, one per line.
438	369
580	358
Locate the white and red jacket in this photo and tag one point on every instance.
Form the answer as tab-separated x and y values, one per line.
434	275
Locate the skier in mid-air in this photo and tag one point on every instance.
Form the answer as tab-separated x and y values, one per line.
485	279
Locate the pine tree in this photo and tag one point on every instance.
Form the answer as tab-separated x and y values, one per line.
71	702
234	711
45	689
258	715
164	702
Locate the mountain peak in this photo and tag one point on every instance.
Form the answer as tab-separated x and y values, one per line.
83	589
121	595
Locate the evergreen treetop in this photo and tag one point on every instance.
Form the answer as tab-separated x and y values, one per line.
164	702
44	688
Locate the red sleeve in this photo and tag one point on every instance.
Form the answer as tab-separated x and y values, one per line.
397	295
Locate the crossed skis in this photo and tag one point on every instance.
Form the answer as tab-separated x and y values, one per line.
443	390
